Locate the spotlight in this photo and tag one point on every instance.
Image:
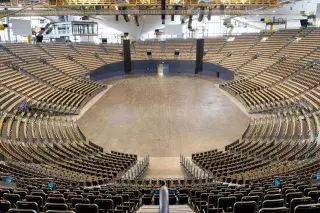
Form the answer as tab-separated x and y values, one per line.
136	20
201	14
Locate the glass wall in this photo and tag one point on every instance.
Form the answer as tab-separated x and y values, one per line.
206	28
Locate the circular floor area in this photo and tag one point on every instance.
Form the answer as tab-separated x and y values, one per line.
164	116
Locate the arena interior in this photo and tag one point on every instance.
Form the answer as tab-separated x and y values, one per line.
103	101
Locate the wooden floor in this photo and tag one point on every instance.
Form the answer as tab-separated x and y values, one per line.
163	116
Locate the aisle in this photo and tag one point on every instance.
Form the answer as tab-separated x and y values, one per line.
164	167
172	209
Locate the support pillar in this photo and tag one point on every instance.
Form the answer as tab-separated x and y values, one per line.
7	31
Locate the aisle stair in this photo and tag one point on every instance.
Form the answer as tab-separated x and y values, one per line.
172	209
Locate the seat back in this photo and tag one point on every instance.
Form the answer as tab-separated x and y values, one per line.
21	193
290	196
245	207
93	197
299	201
307	208
70	196
86	208
56	206
314	195
274	210
307	190
226	202
251	198
104	204
238	196
85	195
213	200
28	205
55	195
21	211
117	201
273	203
272	197
75	201
41	194
5	205
57	211
56	200
12	198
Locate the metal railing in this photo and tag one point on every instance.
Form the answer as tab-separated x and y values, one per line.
193	169
138	169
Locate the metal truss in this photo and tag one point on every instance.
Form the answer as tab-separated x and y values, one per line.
89	12
270	3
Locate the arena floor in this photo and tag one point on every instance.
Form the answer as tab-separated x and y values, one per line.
163	116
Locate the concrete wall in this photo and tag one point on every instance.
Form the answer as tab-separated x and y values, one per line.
150	66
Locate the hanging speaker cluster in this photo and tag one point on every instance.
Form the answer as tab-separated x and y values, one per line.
209	14
190	22
163	8
200	18
124	14
136	20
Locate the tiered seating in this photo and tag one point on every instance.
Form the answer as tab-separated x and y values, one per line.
39	136
115	52
273	42
208	196
90	50
288	75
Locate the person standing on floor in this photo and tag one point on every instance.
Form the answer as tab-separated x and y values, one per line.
164	198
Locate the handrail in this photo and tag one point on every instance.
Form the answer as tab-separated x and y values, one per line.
137	169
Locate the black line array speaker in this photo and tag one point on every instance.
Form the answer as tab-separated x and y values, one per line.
199	56
163	8
127	56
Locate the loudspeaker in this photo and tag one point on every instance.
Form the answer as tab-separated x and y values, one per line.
136	20
149	52
104	40
127	56
176	52
39	38
304	22
218	74
117	17
163	8
199	56
85	18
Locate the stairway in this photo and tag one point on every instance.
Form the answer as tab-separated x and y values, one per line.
172	209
